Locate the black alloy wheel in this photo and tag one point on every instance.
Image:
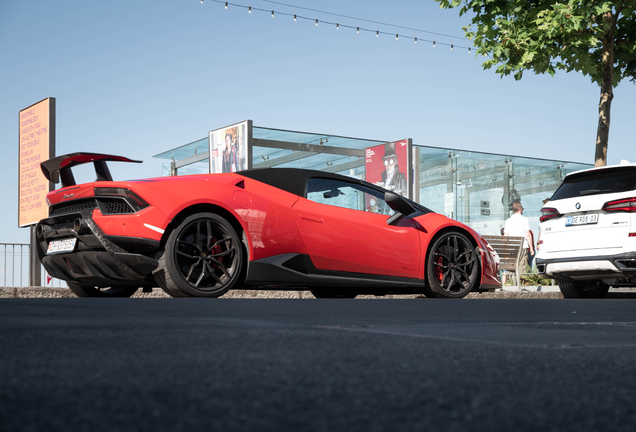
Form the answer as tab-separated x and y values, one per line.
203	258
91	291
453	268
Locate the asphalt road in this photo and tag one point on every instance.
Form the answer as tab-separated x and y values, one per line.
316	365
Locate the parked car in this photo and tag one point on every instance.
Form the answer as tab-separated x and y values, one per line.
588	232
275	228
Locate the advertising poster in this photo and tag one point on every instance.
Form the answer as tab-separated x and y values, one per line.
229	148
388	165
36	145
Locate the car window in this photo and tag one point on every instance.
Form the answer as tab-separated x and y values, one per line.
597	182
347	195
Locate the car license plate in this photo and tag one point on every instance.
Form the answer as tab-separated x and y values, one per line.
66	245
581	220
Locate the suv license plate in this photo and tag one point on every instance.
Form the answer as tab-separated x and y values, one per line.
581	220
66	245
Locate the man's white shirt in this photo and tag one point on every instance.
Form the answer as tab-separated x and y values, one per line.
518	226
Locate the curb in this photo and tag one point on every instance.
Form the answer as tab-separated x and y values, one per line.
539	288
506	293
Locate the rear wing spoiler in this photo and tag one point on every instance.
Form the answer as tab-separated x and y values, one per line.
59	168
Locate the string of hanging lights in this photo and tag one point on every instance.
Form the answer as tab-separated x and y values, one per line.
337	24
364	20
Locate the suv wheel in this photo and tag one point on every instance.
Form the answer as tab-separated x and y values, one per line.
583	289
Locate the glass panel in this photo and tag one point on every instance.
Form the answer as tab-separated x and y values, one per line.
312	138
486	210
263	157
201	167
187	150
479	189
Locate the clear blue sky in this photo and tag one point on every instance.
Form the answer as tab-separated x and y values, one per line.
136	78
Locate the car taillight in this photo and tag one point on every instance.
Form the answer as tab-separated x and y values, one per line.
624	205
121	192
548	213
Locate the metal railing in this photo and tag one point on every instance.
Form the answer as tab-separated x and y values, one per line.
14	258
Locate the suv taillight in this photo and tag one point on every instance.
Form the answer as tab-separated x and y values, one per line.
625	205
548	213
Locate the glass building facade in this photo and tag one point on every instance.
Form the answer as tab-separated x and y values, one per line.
475	188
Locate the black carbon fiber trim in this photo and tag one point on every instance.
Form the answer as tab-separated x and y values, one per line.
75	206
108	206
114	206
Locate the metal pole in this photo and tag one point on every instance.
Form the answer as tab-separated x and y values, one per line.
21	265
13	266
5	265
35	269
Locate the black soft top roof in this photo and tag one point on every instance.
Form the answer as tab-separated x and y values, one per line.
294	180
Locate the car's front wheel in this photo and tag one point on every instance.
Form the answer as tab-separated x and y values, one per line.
203	257
452	269
91	291
582	289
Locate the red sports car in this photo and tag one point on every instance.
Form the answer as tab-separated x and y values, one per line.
273	228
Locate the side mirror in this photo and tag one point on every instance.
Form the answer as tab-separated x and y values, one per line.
398	204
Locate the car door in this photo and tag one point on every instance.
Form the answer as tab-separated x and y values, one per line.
344	228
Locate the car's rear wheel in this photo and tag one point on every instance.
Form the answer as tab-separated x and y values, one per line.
452	269
323	293
91	291
203	257
582	289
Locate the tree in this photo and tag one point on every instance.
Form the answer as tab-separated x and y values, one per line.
596	38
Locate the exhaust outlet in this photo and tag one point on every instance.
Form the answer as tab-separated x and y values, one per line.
78	225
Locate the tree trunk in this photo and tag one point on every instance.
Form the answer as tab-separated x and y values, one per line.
607	92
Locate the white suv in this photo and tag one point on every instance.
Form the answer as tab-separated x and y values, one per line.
588	232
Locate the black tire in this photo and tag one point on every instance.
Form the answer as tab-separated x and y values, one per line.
324	293
452	267
91	291
203	257
582	289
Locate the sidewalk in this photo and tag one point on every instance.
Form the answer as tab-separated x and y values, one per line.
507	292
530	288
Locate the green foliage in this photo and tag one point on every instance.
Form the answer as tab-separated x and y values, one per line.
533	279
528	278
545	36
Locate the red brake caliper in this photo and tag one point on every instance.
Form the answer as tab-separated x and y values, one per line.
439	271
215	250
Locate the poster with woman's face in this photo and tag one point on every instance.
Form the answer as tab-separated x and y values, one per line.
387	165
228	149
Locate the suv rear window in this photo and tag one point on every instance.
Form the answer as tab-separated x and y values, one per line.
597	182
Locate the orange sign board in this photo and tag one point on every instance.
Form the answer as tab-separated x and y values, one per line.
37	144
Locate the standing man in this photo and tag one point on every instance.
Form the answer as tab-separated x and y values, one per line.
519	226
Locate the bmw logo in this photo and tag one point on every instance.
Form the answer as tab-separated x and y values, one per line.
578	206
